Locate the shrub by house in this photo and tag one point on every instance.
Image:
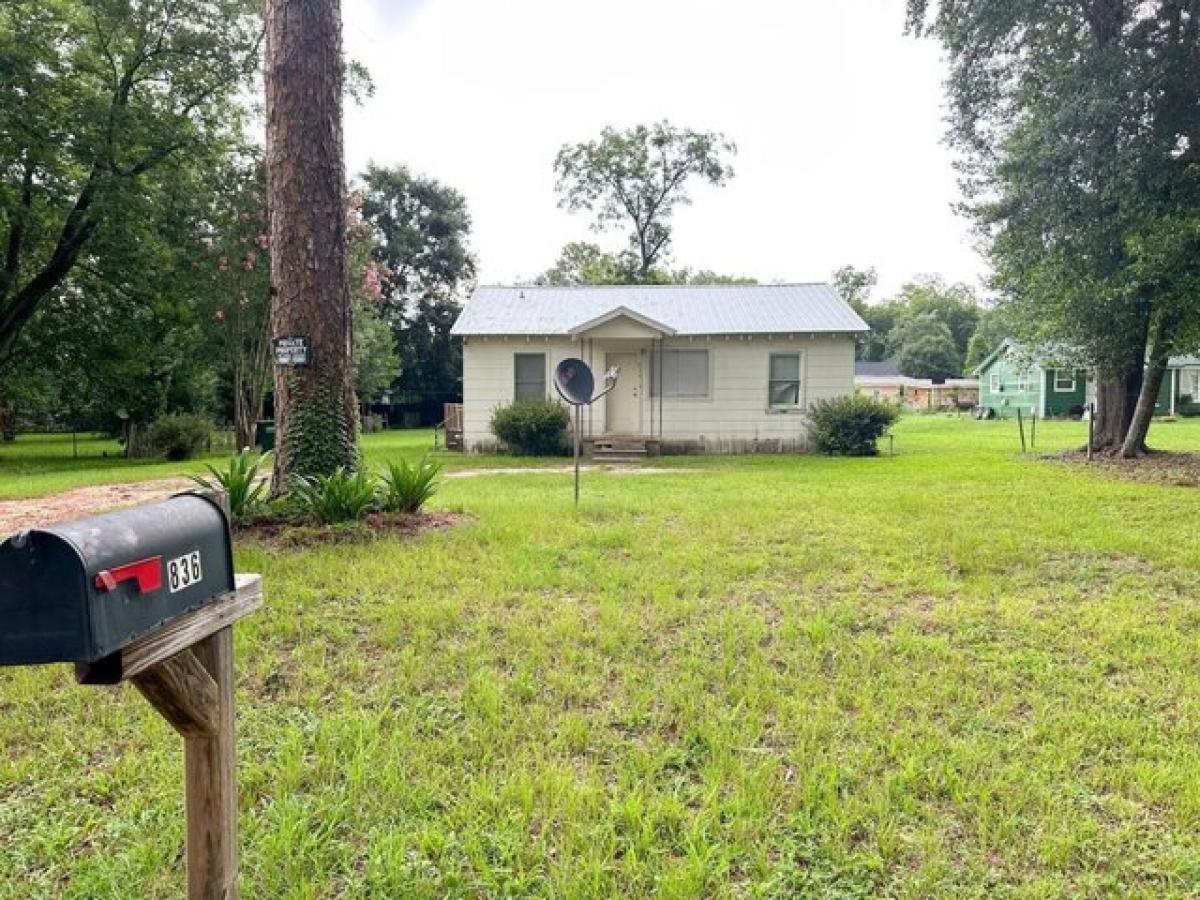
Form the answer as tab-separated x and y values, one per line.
850	426
532	427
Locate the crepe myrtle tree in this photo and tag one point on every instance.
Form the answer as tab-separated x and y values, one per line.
636	178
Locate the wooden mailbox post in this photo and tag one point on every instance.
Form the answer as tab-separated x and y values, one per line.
185	670
147	594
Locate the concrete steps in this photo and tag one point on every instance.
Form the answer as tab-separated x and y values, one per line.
619	449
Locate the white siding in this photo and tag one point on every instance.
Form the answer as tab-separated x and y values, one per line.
735	416
488	380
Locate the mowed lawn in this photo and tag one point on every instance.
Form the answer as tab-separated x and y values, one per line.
952	672
37	465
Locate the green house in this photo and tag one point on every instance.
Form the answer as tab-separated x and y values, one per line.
1014	378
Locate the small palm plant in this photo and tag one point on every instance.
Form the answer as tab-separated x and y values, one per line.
340	497
406	487
239	481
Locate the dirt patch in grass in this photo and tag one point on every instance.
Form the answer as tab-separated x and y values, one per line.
19	515
564	470
289	533
1157	467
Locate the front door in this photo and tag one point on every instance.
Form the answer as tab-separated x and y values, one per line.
624	404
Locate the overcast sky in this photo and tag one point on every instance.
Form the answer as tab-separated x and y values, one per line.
836	113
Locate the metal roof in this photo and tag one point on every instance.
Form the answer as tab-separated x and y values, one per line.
686	309
866	369
1050	354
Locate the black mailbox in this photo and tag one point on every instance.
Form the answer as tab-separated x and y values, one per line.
78	591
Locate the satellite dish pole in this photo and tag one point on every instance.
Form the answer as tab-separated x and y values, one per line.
575	383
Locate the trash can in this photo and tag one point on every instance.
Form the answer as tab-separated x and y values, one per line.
264	435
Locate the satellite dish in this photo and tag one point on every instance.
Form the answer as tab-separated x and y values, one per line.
574	381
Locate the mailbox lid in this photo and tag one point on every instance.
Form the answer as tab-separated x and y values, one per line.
146	565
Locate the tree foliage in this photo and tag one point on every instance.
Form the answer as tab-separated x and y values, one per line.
1078	128
893	322
638	178
232	275
376	363
924	347
583	263
98	98
422	228
855	286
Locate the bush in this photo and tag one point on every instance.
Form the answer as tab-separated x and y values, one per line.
406	487
532	427
850	425
179	437
340	497
239	481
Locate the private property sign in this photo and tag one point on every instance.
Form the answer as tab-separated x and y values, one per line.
292	351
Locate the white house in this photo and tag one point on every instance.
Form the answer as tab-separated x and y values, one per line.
725	368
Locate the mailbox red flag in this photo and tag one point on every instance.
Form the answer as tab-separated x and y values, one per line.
148	573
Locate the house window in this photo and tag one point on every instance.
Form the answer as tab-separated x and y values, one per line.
1023	380
1064	380
684	373
783	387
994	382
529	376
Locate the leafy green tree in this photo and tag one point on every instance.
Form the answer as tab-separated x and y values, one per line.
708	276
638	177
422	230
856	286
1077	126
991	331
580	262
232	273
98	98
881	318
924	347
978	350
134	333
376	364
955	305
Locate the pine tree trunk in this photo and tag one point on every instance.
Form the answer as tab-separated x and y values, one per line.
1156	365
316	423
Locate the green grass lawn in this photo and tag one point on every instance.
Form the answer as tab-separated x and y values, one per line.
37	465
952	672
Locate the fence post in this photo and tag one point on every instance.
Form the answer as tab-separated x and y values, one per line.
1021	428
1091	428
1033	432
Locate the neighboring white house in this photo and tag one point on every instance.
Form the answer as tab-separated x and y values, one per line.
883	381
715	368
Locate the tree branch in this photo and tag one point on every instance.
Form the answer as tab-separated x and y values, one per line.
16	232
